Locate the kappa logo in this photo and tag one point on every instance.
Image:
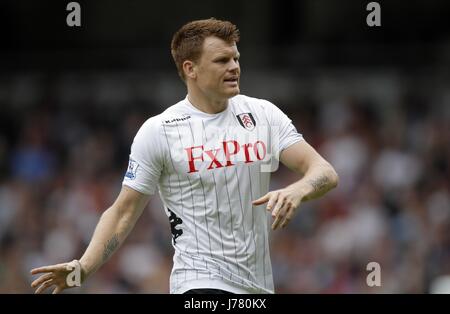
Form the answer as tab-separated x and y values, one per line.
177	119
174	222
246	120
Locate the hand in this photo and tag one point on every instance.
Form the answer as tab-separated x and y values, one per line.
57	275
284	202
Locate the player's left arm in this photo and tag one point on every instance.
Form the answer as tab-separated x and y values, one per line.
319	177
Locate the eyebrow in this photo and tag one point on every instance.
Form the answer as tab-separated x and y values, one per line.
238	55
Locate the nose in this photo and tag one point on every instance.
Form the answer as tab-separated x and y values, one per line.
234	66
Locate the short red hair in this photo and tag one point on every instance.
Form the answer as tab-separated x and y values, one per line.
187	42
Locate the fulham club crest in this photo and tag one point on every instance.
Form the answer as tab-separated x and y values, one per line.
247	121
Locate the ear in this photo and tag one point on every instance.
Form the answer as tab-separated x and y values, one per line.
189	69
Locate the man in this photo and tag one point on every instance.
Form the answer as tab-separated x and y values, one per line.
210	156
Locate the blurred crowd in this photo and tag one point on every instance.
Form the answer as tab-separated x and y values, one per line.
64	145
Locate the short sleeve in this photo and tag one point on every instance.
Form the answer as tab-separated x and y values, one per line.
283	132
146	159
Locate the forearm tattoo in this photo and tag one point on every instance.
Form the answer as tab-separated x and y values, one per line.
319	183
110	247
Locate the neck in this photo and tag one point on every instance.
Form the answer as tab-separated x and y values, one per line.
206	104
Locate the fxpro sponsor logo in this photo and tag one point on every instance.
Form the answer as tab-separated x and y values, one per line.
211	148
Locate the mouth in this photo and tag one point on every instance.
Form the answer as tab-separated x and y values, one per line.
233	80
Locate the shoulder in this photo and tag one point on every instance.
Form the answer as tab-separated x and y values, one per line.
247	100
258	106
155	124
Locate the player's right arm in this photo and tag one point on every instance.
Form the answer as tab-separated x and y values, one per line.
112	229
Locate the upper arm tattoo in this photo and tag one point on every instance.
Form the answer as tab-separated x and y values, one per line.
110	247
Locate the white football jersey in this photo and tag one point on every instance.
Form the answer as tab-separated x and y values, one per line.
208	169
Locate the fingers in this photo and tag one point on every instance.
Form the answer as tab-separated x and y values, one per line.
262	200
284	214
272	201
283	204
45	269
270	197
289	215
57	290
44	286
279	204
41	279
278	212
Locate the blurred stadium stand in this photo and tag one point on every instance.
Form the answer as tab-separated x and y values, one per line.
374	102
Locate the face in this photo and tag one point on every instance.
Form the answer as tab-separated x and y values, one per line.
217	71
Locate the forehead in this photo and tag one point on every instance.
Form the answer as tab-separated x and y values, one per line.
215	45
